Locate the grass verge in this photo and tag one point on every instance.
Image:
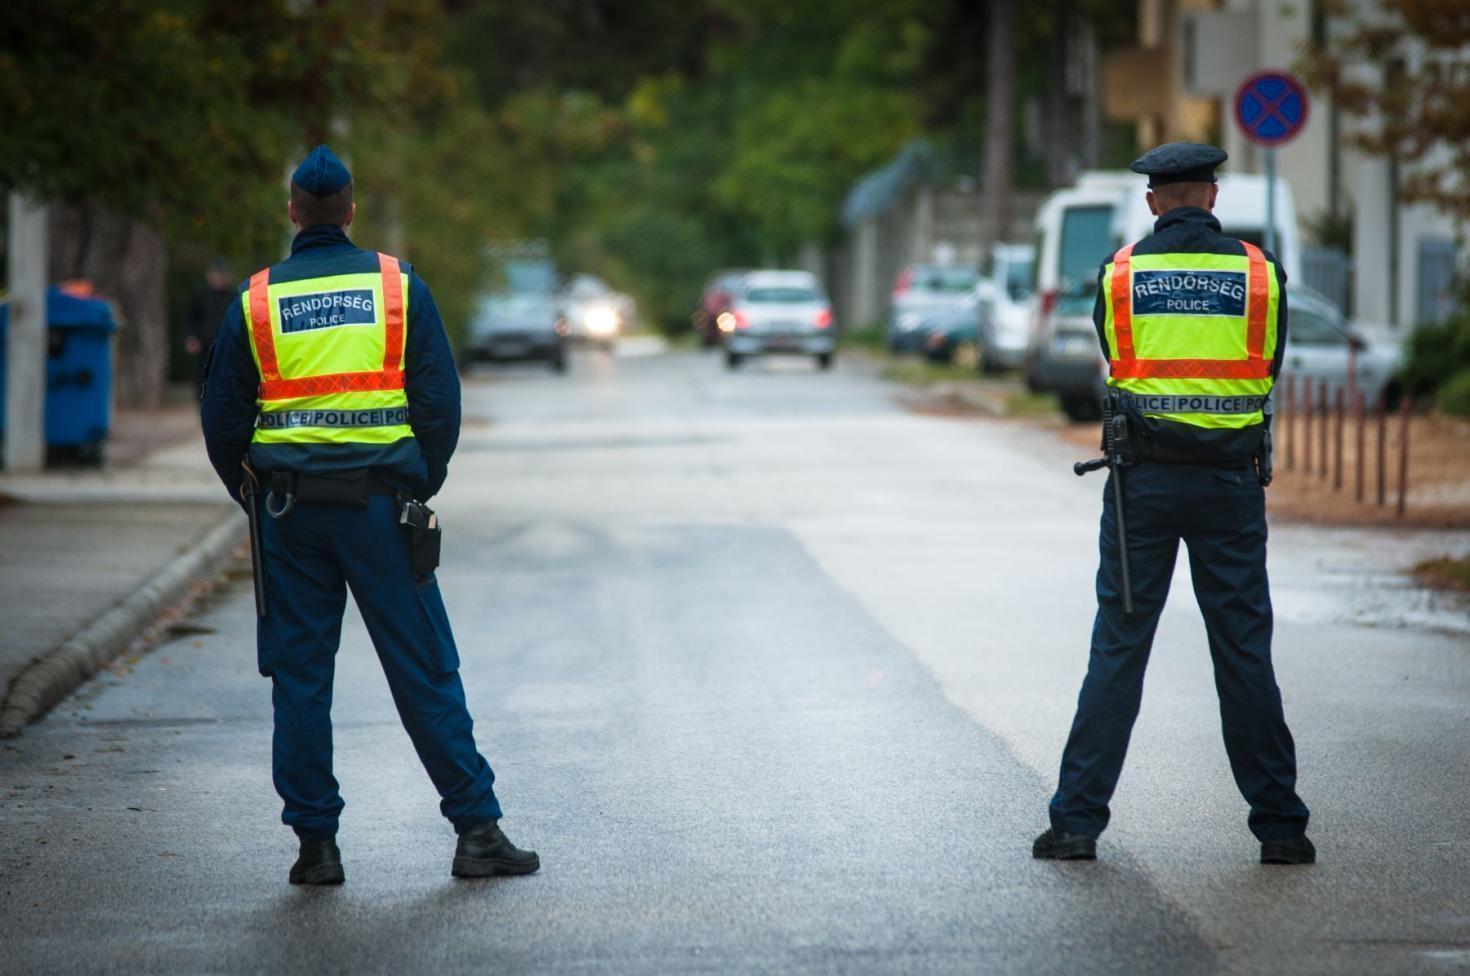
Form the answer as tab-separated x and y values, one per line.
1445	573
919	372
868	337
1028	404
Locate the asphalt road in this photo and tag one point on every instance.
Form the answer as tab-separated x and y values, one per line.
775	676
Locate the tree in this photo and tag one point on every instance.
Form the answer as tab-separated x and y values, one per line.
1000	97
155	125
1401	69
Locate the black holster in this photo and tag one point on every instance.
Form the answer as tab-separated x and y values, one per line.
425	534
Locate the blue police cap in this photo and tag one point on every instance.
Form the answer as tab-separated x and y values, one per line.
321	173
1180	162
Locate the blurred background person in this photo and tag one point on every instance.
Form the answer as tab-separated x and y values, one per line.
207	307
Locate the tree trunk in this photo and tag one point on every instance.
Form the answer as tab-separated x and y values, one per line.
127	263
1060	132
999	99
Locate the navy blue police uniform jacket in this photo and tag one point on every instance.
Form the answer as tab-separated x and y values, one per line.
1191	230
431	381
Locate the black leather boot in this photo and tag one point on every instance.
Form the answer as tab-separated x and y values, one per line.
1054	845
484	852
1291	850
319	863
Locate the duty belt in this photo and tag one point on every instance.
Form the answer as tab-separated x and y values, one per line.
1148	403
374	417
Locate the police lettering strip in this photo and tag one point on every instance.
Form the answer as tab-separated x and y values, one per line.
381	417
326	310
1146	403
1189	293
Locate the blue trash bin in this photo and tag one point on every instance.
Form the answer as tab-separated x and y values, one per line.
78	373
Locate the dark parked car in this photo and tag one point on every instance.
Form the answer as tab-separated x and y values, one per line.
952	335
714	301
520	320
919	289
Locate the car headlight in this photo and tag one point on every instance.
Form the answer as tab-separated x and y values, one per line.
908	321
601	320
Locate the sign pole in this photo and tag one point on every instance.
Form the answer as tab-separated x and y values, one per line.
1271	109
25	341
1270	239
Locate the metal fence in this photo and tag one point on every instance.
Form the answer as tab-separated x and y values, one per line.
1329	271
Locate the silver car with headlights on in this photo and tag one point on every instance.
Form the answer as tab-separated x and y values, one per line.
779	312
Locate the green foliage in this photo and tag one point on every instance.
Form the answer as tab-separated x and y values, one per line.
797	152
184	113
1398	66
1454	396
651	143
1438	360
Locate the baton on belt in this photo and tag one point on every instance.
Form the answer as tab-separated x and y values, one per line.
249	493
1115	437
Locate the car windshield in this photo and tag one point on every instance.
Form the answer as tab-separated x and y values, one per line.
1018	278
516	303
945	281
781	294
1309	327
1086	240
529	277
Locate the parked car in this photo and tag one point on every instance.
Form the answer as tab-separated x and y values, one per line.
952	335
1004	298
920	288
519	320
714	301
1077	228
779	312
1074	232
1321	344
594	313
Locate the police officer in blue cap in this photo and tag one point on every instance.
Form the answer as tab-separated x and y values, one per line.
332	405
1193	324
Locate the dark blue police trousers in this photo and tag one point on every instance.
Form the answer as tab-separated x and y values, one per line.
1220	515
313	556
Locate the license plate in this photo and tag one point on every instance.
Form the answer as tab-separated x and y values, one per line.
1072	345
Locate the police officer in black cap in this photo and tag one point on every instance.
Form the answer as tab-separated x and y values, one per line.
333	377
1193	324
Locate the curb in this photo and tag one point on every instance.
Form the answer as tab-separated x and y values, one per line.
54	675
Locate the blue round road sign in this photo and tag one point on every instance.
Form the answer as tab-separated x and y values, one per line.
1271	107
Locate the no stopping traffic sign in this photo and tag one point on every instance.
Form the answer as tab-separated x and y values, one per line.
1271	107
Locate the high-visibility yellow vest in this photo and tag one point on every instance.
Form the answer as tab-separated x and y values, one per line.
1193	336
330	355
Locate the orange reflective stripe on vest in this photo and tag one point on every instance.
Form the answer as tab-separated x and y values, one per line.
260	324
1122	306
1258	297
274	387
393	315
1126	364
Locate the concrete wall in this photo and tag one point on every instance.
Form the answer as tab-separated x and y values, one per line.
926	225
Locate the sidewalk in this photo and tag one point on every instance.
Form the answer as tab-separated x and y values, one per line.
89	558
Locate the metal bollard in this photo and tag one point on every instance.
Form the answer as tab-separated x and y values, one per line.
1288	417
1403	455
1337	409
1322	434
1382	445
1307	426
1361	407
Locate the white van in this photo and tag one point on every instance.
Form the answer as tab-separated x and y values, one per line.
1078	228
